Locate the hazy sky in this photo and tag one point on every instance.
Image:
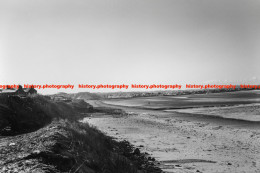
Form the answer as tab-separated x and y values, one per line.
128	41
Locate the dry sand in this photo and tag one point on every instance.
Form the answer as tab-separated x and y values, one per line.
185	144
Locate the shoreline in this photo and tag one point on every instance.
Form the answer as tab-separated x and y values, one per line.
189	116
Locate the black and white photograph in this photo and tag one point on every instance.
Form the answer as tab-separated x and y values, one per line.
129	86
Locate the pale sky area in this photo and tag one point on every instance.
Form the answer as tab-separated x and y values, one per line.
128	41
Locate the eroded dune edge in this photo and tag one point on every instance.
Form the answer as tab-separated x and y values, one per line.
41	134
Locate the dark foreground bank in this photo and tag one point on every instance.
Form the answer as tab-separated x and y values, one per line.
39	134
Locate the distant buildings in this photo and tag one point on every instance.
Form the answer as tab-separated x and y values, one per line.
20	91
30	90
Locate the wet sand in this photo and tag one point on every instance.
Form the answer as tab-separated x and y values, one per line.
183	142
248	112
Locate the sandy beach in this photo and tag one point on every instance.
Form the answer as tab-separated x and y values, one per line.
184	144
